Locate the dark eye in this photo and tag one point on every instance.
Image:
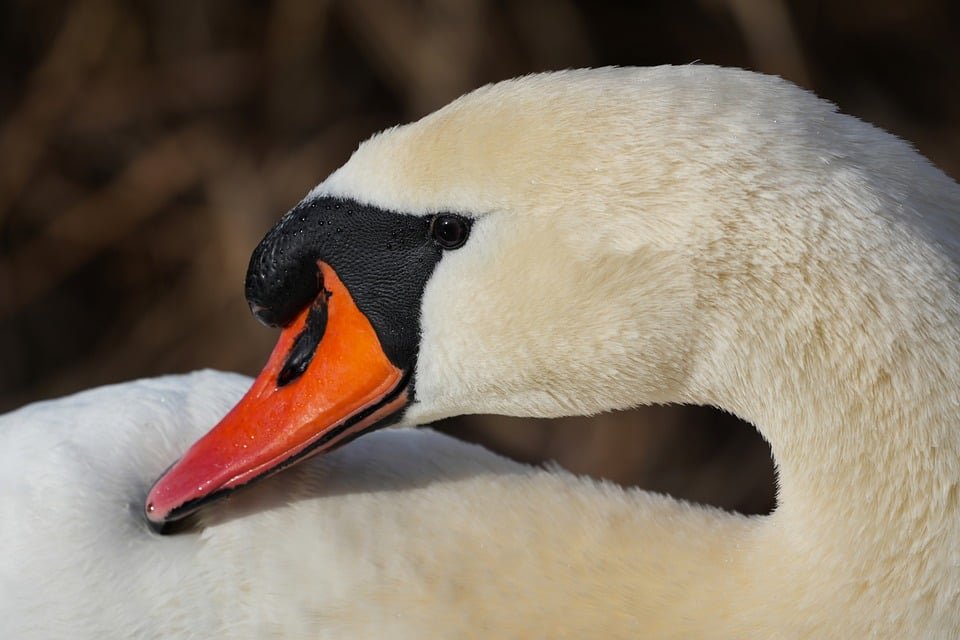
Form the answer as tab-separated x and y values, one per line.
449	230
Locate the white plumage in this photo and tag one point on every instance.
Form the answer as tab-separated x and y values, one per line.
687	234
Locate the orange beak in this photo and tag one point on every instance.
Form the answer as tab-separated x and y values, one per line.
326	382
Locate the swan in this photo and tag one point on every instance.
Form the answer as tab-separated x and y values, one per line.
563	243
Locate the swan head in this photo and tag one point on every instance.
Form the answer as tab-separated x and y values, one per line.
530	249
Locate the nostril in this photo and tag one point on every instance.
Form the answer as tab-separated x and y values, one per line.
305	345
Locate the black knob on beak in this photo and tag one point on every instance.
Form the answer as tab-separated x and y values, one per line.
284	276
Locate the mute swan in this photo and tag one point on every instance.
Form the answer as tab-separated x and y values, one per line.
564	243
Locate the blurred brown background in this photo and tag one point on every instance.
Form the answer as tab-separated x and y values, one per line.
146	146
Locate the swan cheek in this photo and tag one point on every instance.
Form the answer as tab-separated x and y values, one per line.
326	382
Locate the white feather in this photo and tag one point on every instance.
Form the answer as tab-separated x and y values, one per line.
690	234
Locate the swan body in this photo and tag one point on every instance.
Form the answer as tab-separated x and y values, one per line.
404	533
693	234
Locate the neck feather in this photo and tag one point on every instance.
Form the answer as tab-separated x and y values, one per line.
839	338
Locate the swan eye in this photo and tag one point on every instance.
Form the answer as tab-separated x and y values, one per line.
450	231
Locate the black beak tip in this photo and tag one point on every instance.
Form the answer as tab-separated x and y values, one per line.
172	525
160	528
157	526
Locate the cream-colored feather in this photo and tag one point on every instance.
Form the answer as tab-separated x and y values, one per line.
689	234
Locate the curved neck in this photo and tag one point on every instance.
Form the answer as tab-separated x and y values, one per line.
840	340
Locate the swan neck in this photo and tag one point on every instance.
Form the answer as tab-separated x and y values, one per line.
840	343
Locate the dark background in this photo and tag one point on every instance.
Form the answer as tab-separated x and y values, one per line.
146	146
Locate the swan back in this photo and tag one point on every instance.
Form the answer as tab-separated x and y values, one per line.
289	557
